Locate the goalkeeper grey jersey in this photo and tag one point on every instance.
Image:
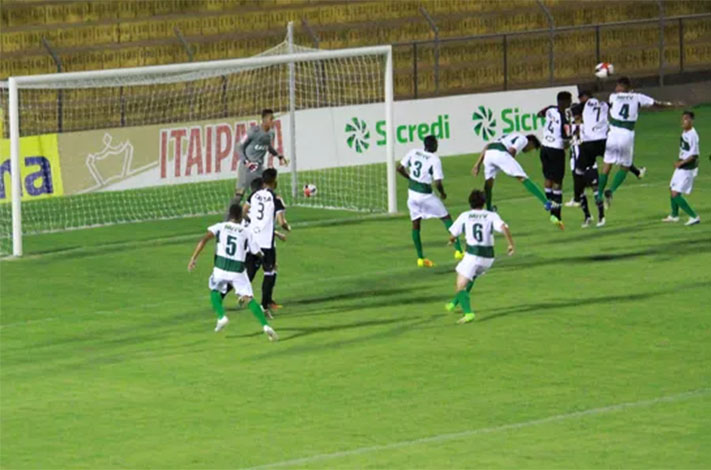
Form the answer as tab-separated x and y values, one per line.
255	146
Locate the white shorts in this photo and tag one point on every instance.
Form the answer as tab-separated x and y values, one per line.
473	266
619	149
496	161
683	180
425	206
220	280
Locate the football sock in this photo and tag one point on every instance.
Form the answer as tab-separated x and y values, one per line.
463	296
268	288
549	193
558	197
470	284
584	206
618	179
257	312
600	209
634	170
536	190
489	197
674	208
216	299
418	242
578	186
681	202
448	223
601	185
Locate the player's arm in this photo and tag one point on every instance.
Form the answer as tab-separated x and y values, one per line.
456	229
440	189
477	166
242	147
280	209
198	249
680	163
280	235
542	112
507	233
403	171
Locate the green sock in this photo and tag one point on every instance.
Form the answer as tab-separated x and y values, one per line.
216	299
489	198
448	223
418	242
618	179
536	190
674	207
463	296
602	182
470	284
257	312
681	202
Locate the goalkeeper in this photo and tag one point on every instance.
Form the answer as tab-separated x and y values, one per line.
252	151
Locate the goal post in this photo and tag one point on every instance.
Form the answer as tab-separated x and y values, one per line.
167	133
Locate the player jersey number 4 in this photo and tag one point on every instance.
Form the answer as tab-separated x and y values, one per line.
424	167
624	108
478	227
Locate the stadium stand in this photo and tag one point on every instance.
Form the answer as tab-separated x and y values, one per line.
94	35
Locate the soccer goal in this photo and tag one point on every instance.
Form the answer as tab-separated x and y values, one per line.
103	147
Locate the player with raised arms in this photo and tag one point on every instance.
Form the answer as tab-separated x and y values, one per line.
264	207
619	149
499	156
685	170
252	150
478	226
234	240
422	168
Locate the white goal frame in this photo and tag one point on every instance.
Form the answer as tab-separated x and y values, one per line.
68	79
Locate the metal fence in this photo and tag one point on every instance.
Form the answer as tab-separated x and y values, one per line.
503	61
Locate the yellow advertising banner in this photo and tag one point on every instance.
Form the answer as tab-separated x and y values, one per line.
40	173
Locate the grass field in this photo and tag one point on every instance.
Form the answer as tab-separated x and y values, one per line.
591	347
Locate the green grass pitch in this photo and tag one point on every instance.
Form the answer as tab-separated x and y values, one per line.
591	349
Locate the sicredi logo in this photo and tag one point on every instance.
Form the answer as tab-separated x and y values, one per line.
485	122
357	135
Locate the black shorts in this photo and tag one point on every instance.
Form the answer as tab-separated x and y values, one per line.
268	263
589	151
553	161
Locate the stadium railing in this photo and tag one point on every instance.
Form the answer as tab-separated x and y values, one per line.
674	44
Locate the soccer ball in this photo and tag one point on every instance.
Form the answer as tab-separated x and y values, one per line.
604	70
310	190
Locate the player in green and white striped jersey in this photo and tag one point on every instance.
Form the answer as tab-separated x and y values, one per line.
478	226
234	240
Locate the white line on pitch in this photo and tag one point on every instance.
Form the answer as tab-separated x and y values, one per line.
488	430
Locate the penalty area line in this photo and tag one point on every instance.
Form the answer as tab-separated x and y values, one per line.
487	430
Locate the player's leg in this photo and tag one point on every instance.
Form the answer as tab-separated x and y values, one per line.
269	281
556	173
611	157
244	290
489	192
242	184
545	158
591	179
218	289
638	172
625	158
463	297
450	306
447	221
682	183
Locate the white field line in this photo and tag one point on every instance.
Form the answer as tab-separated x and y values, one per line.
488	430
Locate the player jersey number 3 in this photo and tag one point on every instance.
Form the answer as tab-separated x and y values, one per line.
417	170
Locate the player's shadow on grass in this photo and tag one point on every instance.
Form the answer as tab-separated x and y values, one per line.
578	302
352	294
310	330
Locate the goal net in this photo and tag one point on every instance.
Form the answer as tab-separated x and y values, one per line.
126	145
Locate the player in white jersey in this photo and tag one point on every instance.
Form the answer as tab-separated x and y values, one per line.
556	138
499	156
263	209
234	241
590	116
619	149
686	169
423	169
478	226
